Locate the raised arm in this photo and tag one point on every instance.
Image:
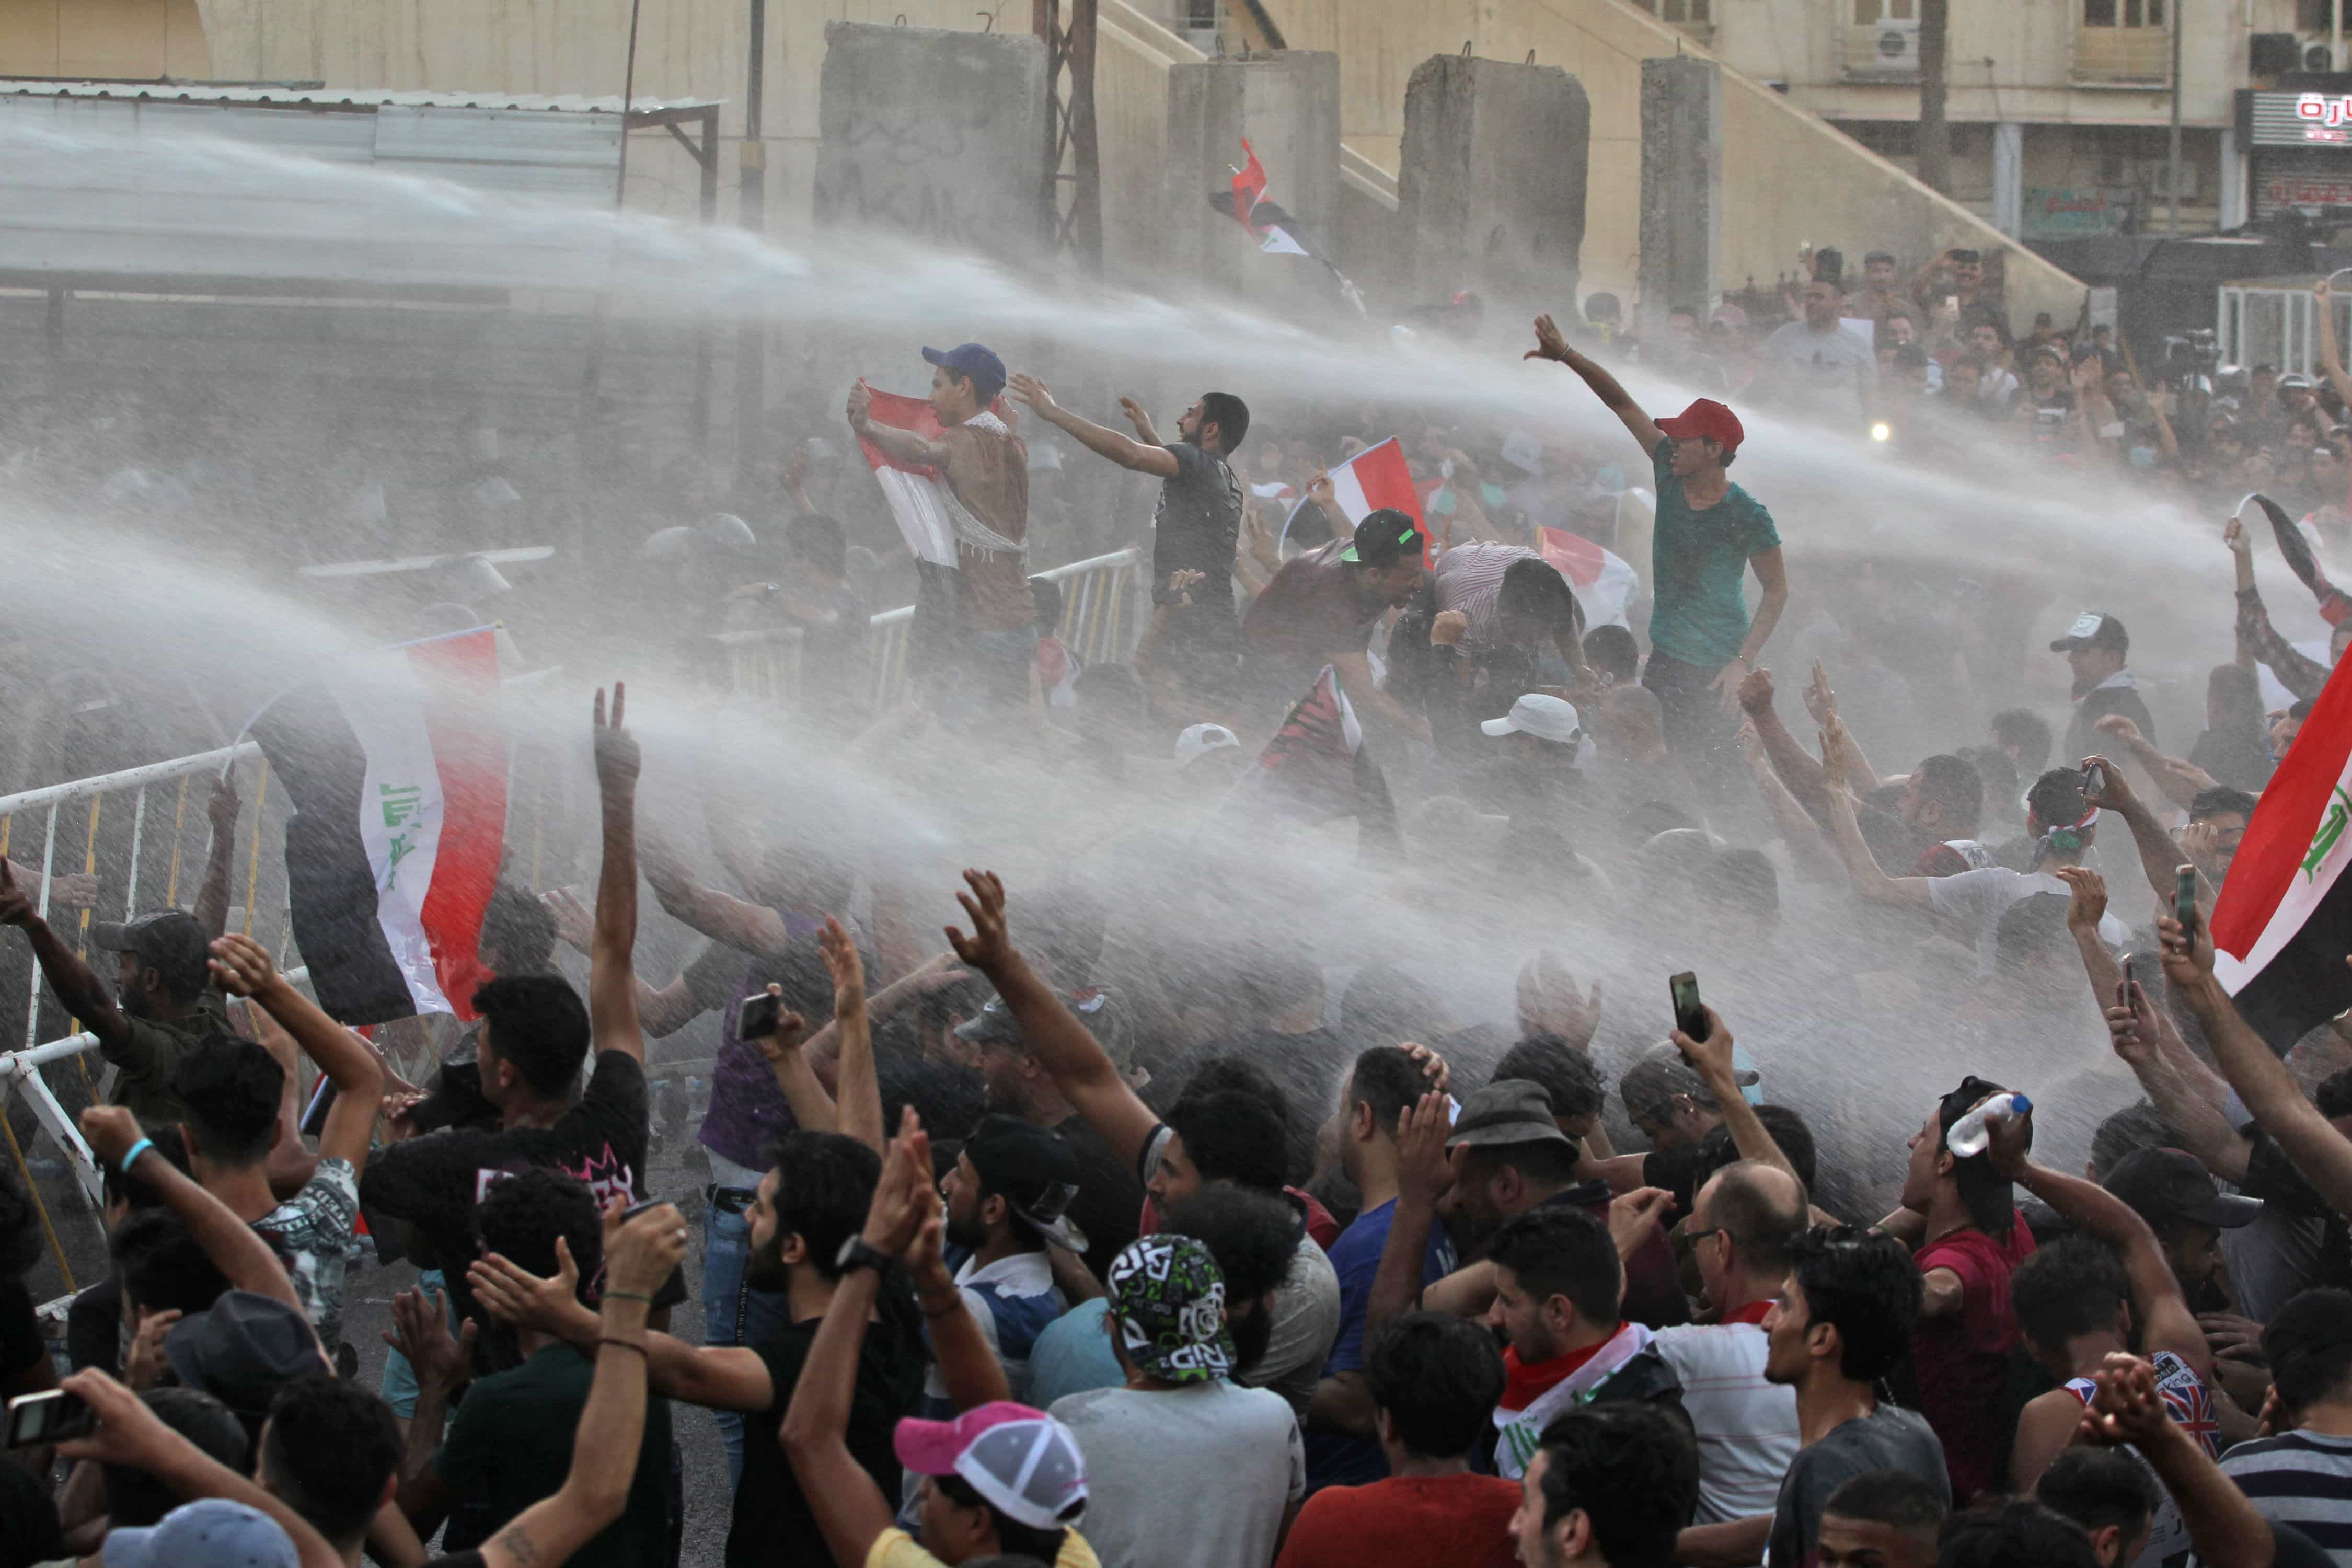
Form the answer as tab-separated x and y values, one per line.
2309	1140
1712	1059
241	966
2165	1322
934	973
858	1091
1423	1176
1772	577
2257	638
606	1444
611	978
904	446
233	1246
1871	884
787	1058
1054	1038
211	893
76	986
1795	767
2223	1525
1101	440
1551	345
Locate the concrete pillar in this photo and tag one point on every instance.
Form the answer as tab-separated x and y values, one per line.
1682	188
939	133
1285	104
1490	181
2234	208
2009	177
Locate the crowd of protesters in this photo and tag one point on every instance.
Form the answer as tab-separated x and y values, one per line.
1179	1210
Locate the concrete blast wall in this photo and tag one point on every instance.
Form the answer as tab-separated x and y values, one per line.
937	132
1682	186
1286	106
1490	185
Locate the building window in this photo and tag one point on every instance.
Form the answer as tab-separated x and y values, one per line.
2313	15
1870	12
1681	13
2123	13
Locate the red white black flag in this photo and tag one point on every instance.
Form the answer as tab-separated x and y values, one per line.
2283	922
396	765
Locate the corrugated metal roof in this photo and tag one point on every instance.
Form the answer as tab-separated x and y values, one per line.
343	97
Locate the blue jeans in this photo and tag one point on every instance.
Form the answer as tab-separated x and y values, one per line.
733	1313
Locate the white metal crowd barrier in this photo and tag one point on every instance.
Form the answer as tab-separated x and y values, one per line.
169	834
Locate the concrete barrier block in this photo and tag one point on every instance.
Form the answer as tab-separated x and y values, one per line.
1491	181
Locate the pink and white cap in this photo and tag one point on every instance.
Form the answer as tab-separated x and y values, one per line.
1026	1463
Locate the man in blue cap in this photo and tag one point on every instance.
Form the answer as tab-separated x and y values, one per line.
977	616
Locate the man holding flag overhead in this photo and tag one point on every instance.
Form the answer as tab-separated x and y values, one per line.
1709	533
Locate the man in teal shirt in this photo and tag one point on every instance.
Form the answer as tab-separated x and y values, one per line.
1708	532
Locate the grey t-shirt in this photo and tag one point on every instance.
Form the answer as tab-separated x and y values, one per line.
1190	1478
1826	370
1888	1438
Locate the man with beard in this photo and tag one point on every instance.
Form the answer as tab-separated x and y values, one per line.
2098	652
806	1210
1008	1195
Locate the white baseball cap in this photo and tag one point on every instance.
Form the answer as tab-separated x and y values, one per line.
1545	718
1203	737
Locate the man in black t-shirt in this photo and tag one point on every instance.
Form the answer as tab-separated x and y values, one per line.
1197	524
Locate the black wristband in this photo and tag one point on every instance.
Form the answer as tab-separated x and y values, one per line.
855	1254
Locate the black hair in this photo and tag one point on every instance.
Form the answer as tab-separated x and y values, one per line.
1233	1136
1225	1074
521	1215
1908	356
1864	1285
2301	710
1561	1251
1230	415
1532	588
825	1185
1987	1196
2333	1097
1611	650
328	1451
2033	926
2056	799
1897	1499
1438	1376
1762	1225
1565	1074
820	541
131	1190
1741	880
20	1227
2019	1533
2028	732
1547	1161
537	1023
2099	1489
2221	800
1253	1236
163	1266
1018	1540
1719	1148
135	1500
1045	605
1633	1470
1953	783
2308	1343
1385	1079
519	927
2071	1287
2130	1130
231	1087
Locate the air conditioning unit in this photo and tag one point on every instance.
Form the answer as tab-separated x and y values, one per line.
2158	176
1897	46
2318	58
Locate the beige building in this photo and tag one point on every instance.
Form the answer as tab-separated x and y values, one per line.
1847	193
2059	109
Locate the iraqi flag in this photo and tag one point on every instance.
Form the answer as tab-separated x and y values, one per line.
1603	582
396	766
1275	231
1376	477
2283	922
912	489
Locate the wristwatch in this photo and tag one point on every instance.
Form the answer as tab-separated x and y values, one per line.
855	1254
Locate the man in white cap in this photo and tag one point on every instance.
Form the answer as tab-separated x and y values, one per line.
1544	718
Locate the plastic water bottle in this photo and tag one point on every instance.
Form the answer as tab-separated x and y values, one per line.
1972	1133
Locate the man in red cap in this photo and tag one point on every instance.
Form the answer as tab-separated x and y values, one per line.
1708	532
